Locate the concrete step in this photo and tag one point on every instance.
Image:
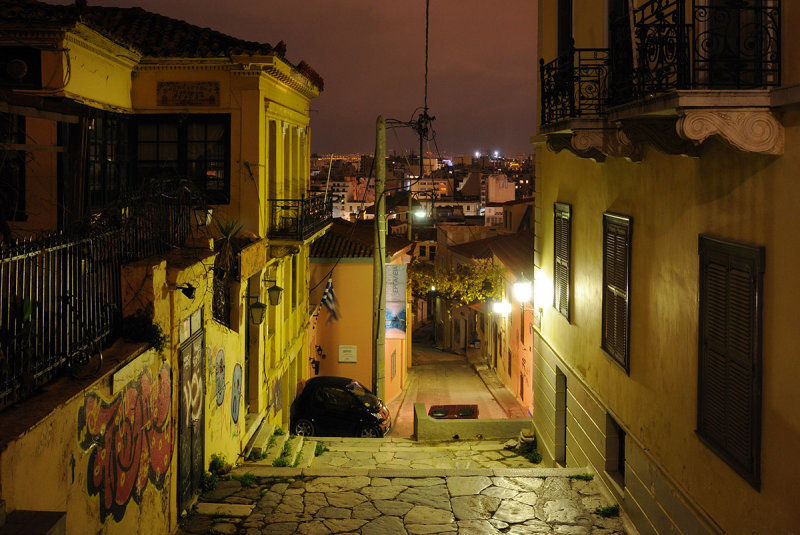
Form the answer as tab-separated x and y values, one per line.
295	445
307	453
277	448
35	523
260	441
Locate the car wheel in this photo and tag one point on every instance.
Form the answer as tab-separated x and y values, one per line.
303	428
370	432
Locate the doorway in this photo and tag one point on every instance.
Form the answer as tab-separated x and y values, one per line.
561	418
191	419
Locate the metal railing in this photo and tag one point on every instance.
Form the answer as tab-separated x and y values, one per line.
298	219
60	295
678	44
574	85
720	45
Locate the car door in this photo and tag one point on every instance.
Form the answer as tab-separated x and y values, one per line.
337	412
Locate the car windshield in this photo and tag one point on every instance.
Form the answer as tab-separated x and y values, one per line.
364	396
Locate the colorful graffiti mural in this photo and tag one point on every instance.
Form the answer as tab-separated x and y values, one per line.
219	378
236	392
130	439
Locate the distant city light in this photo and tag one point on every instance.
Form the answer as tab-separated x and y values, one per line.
497	154
477	154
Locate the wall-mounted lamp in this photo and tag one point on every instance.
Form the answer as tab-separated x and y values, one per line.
187	290
257	310
523	291
274	293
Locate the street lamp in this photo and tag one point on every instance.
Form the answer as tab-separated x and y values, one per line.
274	293
501	308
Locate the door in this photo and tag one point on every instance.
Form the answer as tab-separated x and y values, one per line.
191	418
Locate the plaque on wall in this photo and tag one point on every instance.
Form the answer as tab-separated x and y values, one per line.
187	93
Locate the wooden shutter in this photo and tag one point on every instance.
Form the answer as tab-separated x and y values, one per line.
729	375
617	232
562	235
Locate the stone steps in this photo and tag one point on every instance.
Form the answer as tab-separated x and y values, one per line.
261	440
307	453
277	448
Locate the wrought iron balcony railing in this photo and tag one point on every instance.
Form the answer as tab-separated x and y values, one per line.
298	219
678	44
719	44
574	85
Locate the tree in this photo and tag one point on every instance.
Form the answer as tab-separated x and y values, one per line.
478	281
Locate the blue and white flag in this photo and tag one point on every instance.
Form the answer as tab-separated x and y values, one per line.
329	300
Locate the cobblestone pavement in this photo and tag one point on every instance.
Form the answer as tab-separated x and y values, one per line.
392	486
405	453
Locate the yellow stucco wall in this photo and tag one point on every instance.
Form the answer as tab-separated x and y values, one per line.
672	199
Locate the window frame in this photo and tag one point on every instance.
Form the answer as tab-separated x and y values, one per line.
618	350
182	162
715	350
562	212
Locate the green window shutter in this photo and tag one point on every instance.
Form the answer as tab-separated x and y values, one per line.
729	375
562	237
617	231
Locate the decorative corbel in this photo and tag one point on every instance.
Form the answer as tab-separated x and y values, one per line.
279	251
582	144
661	134
749	130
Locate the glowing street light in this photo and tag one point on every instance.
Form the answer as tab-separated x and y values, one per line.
501	308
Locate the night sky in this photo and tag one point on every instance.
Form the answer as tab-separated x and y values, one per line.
482	64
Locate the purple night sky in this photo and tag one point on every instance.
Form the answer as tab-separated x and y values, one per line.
482	64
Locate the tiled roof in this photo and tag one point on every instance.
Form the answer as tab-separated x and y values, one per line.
149	33
514	250
353	240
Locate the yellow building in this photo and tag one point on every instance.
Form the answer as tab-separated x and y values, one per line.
664	360
141	139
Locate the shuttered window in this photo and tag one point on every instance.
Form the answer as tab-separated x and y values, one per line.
729	375
561	266
617	232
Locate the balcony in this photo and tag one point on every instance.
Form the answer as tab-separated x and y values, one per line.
574	85
724	45
61	297
297	220
694	70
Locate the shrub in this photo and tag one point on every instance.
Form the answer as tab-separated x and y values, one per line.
209	481
582	477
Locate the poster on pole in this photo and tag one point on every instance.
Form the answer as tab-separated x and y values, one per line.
396	321
395	283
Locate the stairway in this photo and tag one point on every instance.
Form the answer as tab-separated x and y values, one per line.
271	446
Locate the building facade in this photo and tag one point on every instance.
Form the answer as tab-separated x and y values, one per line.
176	172
663	336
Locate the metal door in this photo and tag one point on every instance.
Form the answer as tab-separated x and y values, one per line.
191	419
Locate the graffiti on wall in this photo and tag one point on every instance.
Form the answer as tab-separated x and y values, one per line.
276	396
130	439
219	370
236	392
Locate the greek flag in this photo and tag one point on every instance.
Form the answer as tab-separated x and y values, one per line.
329	300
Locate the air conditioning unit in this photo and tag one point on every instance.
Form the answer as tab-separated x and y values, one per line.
20	67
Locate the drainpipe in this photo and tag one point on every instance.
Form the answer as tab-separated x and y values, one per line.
379	264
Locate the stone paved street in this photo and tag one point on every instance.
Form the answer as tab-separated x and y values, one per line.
395	486
406	453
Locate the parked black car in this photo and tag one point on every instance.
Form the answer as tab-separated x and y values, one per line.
338	406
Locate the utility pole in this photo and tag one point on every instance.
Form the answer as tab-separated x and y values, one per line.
379	264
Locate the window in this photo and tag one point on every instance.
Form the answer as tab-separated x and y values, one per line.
422	250
432	251
562	236
729	360
564	27
195	146
12	168
617	231
615	451
108	159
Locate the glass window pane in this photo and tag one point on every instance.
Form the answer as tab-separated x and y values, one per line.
168	132
148	132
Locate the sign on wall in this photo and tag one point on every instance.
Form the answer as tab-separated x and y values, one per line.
348	353
187	93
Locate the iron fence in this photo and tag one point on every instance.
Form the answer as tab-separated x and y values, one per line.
60	295
298	219
574	85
